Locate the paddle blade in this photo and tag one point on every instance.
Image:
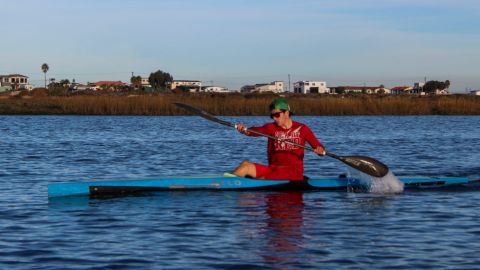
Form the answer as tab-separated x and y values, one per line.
364	164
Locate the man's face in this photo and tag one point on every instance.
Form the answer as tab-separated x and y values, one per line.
279	116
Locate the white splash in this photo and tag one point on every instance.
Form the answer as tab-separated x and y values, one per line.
381	185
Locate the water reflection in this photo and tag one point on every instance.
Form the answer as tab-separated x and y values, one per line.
283	226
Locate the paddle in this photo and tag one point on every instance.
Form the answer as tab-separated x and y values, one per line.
364	164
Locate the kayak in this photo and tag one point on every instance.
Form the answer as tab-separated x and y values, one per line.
231	182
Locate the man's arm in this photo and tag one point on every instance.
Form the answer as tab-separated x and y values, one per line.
243	129
318	147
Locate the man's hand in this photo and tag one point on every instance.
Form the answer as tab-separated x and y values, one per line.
241	128
320	151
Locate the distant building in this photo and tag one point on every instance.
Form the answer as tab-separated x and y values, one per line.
110	85
418	88
83	87
401	90
216	89
145	82
247	89
475	92
15	82
191	85
361	89
442	92
275	87
307	87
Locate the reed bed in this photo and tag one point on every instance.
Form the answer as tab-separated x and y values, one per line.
238	104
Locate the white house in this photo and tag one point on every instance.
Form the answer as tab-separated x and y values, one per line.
401	90
306	87
192	85
217	89
15	81
145	82
83	87
275	87
442	92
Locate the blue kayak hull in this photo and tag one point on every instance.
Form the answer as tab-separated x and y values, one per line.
120	187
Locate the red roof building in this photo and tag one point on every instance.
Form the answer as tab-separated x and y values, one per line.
110	83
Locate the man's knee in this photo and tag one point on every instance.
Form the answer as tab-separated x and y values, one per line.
246	163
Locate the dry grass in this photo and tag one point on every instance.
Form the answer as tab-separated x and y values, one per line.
238	104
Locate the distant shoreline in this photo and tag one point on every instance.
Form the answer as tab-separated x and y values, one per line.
240	104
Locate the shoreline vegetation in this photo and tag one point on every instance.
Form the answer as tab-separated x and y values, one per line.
239	104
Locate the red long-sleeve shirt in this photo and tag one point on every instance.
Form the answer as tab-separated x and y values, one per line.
285	154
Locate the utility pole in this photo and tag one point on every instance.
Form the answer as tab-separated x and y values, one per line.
288	82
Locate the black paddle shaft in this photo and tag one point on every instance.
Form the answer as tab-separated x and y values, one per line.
364	164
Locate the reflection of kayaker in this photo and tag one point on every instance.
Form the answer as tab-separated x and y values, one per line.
285	223
285	161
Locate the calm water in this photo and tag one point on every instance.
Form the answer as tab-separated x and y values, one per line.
233	230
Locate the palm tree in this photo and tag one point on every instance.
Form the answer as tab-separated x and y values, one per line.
45	69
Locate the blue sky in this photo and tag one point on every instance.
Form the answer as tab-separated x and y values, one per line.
237	42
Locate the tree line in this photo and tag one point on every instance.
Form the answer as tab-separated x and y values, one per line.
159	81
431	87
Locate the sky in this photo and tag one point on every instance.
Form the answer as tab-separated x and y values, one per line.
236	42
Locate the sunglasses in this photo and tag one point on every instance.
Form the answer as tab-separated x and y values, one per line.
277	114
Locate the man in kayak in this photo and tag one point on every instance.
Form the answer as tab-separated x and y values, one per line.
285	161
